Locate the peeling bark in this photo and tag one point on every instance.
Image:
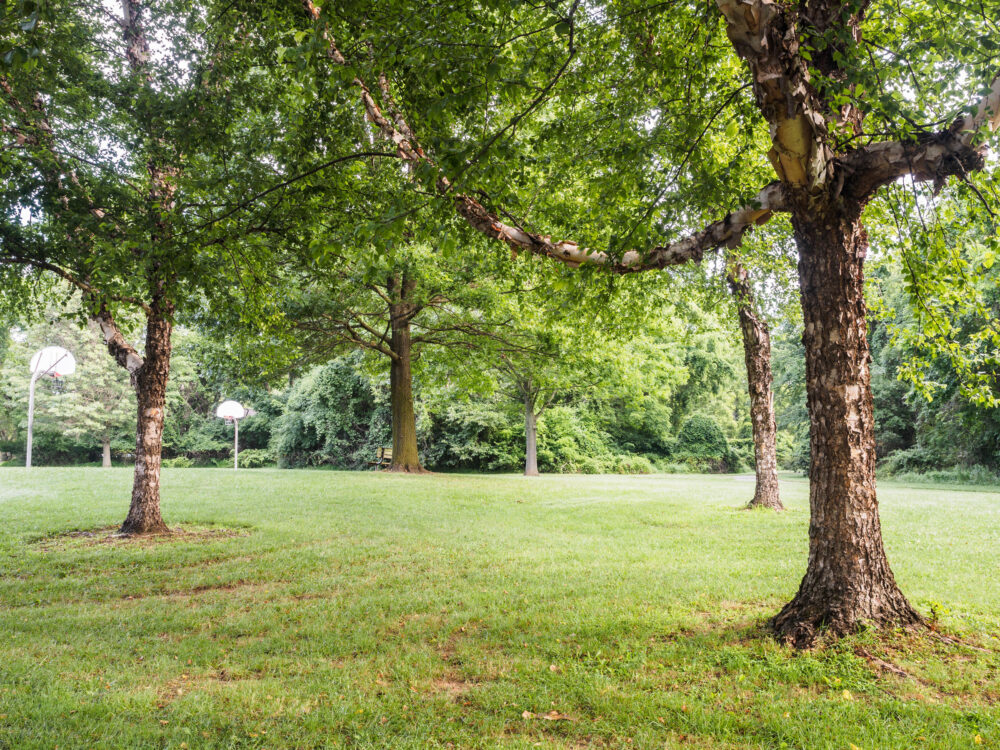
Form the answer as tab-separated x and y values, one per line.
848	581
120	350
727	232
757	355
150	382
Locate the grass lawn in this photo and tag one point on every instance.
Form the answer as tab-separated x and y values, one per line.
318	609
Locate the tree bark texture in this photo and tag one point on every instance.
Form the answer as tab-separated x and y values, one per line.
530	438
848	581
757	355
405	455
150	382
106	453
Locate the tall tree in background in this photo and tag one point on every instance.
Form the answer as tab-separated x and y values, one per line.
534	344
828	105
756	336
377	316
394	306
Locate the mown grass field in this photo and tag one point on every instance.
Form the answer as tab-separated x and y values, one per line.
319	609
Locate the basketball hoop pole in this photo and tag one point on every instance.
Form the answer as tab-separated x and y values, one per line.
31	419
232	411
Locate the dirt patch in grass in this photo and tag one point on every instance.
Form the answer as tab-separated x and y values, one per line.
453	686
208	588
110	535
191	683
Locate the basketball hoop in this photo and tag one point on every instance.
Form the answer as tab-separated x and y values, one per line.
232	412
53	361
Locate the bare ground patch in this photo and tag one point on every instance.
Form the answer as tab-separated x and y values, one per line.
191	683
111	536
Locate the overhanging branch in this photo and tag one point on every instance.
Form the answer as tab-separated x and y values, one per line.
728	231
935	156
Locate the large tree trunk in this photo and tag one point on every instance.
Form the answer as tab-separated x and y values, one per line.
106	453
757	354
530	438
405	456
848	581
150	382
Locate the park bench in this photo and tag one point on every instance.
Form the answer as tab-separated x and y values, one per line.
384	457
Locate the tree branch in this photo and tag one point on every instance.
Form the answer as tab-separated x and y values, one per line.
933	156
728	231
123	352
79	283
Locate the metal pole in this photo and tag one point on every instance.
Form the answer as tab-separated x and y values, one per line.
236	443
31	419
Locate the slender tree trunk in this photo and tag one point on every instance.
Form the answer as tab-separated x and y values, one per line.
405	455
848	581
530	438
106	453
757	354
150	383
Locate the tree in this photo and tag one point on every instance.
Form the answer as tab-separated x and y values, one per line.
394	306
536	347
379	317
757	354
813	81
541	361
118	185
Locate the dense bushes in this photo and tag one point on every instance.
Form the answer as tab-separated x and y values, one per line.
702	445
334	416
256	458
475	435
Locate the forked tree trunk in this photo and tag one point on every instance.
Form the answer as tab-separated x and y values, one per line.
405	456
757	354
150	382
848	581
530	438
106	453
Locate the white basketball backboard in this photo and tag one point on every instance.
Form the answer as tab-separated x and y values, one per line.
53	361
230	410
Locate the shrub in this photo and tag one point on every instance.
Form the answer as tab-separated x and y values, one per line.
631	464
476	435
334	416
702	445
256	458
569	441
977	474
912	460
180	462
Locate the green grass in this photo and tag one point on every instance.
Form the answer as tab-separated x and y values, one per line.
371	610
